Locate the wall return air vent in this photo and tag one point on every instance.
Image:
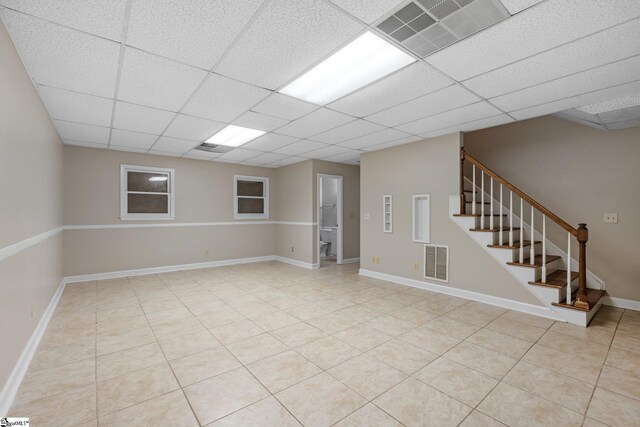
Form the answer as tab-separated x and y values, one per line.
425	26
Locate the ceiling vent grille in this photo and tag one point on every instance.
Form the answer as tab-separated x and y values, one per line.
214	148
425	26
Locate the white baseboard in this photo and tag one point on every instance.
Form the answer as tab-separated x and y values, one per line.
629	304
297	263
12	385
351	260
462	293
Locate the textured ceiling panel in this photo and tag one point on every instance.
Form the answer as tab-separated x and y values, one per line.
64	58
192	128
141	119
239	154
286	39
80	132
85	144
314	123
367	11
265	158
593	51
270	141
515	6
125	138
195	32
328	151
300	147
223	99
587	81
472	112
394	143
201	155
471	126
284	106
77	107
346	132
174	145
611	105
259	121
289	161
410	82
344	157
104	18
445	99
385	135
539	28
157	82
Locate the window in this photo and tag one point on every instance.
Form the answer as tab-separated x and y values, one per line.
250	197
146	193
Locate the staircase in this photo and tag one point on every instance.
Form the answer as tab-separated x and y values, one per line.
492	211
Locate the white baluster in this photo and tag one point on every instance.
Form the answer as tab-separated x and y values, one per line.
473	189
568	268
544	248
521	232
491	214
501	239
482	199
532	250
510	218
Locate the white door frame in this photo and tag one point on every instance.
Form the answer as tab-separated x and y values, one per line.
340	213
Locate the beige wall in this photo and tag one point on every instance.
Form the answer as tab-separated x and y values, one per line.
579	173
425	167
30	204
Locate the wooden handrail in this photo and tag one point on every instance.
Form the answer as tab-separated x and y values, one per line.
555	218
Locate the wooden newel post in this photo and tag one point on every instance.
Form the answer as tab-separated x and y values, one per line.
581	298
463	201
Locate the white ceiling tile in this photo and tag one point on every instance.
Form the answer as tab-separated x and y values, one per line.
65	58
157	82
192	128
164	153
223	99
129	149
395	143
620	72
195	32
624	125
104	18
589	52
202	155
328	151
269	158
240	154
409	83
385	135
346	132
344	157
283	106
289	161
83	133
532	31
125	138
515	6
300	147
259	121
85	144
76	107
285	39
174	145
445	99
367	11
319	121
270	142
469	113
471	126
141	119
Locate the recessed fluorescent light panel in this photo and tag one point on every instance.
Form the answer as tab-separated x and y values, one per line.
234	136
425	26
362	61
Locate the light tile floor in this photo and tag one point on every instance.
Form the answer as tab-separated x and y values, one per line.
275	345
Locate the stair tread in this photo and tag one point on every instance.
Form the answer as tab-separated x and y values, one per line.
537	261
516	244
593	296
557	279
491	230
478	215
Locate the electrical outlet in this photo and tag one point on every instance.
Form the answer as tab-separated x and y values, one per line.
367	216
292	249
416	266
611	218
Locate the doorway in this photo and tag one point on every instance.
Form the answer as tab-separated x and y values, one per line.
330	220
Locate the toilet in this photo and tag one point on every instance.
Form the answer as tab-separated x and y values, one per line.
323	248
327	237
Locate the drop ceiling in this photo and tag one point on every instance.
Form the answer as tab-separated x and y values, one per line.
162	77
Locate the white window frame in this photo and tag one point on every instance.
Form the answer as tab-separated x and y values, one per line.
265	192
124	208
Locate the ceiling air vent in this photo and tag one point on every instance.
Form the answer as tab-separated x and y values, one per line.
425	26
214	148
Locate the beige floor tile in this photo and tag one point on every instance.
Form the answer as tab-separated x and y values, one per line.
564	363
390	325
516	408
620	381
483	360
590	422
429	340
133	359
594	333
515	329
184	345
237	331
451	327
171	406
473	315
47	358
332	323
549	384
274	320
283	370
160	301
369	415
478	419
501	343
402	355
200	366
413	315
256	348
298	334
265	413
327	352
219	396
383	304
528	319
112	342
70	407
614	409
622	359
457	381
129	389
572	345
176	328
220	317
320	401
367	376
363	337
414	403
441	304
360	313
627	343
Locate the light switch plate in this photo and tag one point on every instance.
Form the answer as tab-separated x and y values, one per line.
611	218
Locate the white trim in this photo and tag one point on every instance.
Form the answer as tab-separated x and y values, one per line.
310	224
297	263
426	197
8	393
124	191
629	304
265	196
462	293
18	247
351	260
340	215
184	224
